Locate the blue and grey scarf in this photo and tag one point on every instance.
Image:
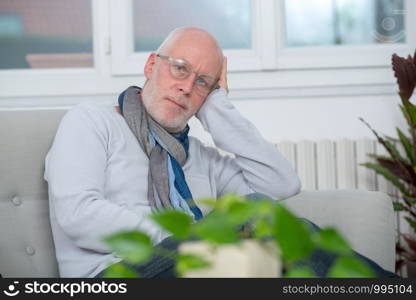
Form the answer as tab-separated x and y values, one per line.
167	187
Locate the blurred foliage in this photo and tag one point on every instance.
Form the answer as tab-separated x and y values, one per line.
232	220
399	167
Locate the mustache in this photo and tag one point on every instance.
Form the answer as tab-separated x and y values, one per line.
181	102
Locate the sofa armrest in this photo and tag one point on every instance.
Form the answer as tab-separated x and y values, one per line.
364	218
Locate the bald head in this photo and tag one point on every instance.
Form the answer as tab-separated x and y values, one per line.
195	38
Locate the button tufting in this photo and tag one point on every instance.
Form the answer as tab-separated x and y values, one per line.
30	250
16	200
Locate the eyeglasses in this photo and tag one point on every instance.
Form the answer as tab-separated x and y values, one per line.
181	69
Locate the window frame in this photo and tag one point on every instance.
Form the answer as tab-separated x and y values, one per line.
127	62
354	56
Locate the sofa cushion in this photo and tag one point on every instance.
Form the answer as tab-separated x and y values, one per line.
26	247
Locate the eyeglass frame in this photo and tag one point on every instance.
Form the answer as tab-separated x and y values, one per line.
192	70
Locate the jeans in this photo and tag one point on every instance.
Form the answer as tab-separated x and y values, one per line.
319	261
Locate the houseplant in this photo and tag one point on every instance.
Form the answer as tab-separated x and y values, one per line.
400	168
232	221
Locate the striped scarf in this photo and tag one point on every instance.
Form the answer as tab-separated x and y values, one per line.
167	187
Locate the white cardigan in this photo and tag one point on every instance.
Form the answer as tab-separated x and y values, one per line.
97	177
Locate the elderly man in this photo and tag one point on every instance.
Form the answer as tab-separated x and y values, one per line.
108	168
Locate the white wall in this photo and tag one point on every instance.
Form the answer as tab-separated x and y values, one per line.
323	118
285	118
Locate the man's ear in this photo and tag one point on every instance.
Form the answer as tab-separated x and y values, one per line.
150	63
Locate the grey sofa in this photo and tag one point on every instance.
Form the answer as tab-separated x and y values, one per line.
26	249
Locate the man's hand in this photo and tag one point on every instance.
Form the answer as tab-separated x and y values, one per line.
222	83
223	77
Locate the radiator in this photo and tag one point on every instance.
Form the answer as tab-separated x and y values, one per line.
330	164
334	164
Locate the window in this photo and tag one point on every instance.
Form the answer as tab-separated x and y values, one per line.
10	25
344	22
364	33
229	21
45	34
274	47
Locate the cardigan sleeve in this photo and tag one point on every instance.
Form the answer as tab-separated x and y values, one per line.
257	165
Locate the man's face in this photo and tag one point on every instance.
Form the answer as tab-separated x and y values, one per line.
172	102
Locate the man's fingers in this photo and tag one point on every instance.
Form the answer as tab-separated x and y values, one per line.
224	67
223	79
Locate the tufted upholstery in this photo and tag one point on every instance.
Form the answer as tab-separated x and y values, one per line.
27	250
26	247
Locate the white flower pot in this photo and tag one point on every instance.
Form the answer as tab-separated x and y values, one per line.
248	259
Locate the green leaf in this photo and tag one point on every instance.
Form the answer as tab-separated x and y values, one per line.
329	239
209	201
240	212
399	206
411	111
386	174
400	169
300	272
391	139
389	146
176	222
395	154
135	247
224	203
409	200
188	262
292	236
407	145
263	228
406	115
264	208
119	270
411	222
350	267
216	228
